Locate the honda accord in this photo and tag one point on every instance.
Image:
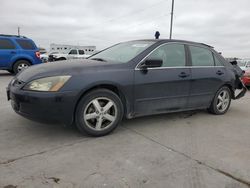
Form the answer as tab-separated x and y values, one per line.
130	79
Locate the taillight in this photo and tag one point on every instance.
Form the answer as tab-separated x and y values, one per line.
38	55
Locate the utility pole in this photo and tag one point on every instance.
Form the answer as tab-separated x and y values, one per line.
171	23
18	31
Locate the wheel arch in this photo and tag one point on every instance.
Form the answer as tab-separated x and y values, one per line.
109	86
20	59
230	86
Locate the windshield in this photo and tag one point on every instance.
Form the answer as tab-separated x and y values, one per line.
123	52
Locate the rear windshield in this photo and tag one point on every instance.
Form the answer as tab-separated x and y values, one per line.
26	44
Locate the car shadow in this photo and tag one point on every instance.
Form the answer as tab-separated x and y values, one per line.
49	129
166	118
60	131
5	73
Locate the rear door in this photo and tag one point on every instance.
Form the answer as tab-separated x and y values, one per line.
28	47
81	54
164	88
7	52
207	76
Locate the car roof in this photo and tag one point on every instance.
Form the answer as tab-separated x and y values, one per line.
13	36
175	40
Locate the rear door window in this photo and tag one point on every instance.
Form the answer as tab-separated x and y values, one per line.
6	44
26	44
81	52
217	61
201	56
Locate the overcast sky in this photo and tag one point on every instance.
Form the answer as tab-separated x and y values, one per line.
224	24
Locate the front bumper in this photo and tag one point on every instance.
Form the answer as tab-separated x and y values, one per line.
43	106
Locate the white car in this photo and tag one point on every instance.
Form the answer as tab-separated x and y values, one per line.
72	54
44	57
244	64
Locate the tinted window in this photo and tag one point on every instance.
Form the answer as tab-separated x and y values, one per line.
6	44
81	52
201	56
172	55
26	44
74	52
217	61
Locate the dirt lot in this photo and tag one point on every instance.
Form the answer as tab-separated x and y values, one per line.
191	149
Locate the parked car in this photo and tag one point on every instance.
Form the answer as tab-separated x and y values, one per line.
130	79
244	64
44	57
246	78
17	52
72	54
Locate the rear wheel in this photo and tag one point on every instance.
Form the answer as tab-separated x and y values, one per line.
20	65
99	112
221	101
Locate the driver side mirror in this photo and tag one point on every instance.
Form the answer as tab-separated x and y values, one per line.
151	63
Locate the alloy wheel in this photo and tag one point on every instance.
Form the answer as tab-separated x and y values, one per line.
223	100
22	66
100	113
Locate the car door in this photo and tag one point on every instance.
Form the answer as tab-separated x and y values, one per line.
207	76
81	54
165	88
7	51
72	54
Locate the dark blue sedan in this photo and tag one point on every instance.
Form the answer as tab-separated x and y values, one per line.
130	79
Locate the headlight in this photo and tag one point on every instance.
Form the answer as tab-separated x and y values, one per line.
53	83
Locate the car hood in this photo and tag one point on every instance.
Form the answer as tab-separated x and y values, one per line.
67	67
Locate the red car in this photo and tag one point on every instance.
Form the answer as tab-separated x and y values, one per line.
246	78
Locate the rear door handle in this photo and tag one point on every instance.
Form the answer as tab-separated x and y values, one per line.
183	75
219	72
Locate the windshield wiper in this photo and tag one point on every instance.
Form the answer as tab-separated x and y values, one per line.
98	59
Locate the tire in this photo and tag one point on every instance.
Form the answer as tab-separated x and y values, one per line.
99	112
19	65
221	101
61	59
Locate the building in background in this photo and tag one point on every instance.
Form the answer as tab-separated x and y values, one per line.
63	48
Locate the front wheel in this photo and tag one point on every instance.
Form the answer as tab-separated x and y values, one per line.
221	101
99	112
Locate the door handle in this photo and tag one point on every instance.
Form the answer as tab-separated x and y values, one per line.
183	75
13	52
219	72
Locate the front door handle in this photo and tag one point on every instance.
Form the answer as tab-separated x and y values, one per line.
219	72
183	75
13	52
